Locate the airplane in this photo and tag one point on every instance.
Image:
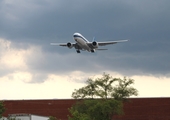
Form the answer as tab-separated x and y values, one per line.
81	43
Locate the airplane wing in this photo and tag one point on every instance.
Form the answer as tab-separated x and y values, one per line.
69	45
60	44
110	42
64	44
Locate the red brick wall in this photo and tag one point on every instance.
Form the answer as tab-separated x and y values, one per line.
146	109
135	109
57	108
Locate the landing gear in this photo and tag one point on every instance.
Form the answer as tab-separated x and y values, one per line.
92	50
78	51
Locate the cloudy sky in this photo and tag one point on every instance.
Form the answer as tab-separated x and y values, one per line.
32	69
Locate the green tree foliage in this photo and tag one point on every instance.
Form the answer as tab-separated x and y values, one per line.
52	118
88	91
106	87
124	89
95	109
2	109
108	93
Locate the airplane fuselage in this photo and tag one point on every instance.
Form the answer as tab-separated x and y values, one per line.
81	41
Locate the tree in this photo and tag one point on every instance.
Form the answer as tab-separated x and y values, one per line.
111	91
87	91
99	88
2	109
95	109
103	88
124	89
52	118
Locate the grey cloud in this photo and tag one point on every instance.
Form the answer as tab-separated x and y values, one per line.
145	23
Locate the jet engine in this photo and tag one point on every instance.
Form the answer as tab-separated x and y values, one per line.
95	44
69	45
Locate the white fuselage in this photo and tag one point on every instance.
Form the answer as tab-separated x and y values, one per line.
81	41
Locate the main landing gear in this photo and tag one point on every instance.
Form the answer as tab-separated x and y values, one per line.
78	51
92	51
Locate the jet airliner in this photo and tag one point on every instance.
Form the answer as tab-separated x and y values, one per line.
81	43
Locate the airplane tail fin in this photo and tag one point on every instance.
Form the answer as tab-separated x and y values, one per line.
93	38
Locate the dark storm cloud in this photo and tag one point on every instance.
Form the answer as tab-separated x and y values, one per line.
145	23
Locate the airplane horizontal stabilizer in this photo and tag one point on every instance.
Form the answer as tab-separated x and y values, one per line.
54	44
101	49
